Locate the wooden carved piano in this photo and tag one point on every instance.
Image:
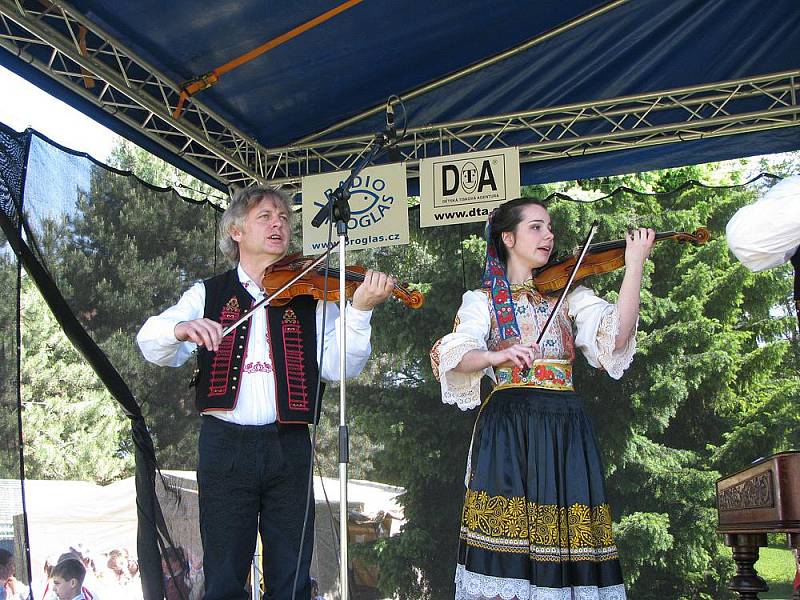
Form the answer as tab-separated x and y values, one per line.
763	498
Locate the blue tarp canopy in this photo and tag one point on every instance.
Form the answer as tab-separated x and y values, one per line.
355	60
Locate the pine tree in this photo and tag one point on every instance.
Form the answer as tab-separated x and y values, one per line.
73	428
712	387
129	251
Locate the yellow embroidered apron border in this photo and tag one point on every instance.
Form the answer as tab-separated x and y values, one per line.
540	553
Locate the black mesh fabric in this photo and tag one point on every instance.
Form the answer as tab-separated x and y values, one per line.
101	276
13	147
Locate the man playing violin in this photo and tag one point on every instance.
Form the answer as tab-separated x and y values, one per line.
256	390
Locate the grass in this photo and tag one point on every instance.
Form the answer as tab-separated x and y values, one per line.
777	566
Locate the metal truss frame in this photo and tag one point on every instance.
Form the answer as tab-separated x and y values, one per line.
679	115
60	42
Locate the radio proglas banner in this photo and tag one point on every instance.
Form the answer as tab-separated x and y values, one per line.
378	208
464	188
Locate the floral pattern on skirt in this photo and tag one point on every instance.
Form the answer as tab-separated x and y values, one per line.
536	524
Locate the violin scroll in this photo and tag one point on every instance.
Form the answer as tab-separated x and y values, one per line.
412	299
700	236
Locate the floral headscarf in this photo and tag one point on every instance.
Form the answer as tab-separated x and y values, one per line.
495	280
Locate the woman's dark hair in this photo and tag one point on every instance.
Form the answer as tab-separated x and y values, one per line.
506	217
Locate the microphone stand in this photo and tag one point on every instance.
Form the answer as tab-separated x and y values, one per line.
338	209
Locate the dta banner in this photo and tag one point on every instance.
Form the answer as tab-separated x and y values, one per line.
463	188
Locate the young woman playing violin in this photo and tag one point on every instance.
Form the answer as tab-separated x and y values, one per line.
535	524
255	389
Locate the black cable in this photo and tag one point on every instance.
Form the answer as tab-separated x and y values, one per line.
393	139
623	189
334	531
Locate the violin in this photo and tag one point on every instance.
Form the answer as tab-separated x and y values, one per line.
602	257
313	283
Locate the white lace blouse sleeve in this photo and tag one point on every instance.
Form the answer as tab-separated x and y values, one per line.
597	324
470	333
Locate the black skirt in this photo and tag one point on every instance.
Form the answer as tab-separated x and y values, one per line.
536	524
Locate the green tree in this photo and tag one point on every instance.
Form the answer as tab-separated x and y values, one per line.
73	428
126	252
711	389
9	450
704	324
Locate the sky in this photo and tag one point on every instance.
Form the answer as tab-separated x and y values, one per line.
23	105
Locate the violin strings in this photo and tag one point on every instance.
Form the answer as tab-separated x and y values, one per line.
612	244
351	275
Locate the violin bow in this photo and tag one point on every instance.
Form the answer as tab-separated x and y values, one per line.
269	299
565	291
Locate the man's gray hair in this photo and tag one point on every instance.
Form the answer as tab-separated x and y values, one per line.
241	203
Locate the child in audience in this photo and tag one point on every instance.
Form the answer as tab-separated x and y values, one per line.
67	578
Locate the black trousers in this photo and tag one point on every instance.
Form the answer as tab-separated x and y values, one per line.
254	478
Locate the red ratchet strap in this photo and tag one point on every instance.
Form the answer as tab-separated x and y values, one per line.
203	82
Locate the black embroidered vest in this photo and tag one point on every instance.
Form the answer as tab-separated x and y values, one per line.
293	343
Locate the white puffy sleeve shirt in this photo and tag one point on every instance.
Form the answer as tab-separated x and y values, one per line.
766	234
595	327
256	400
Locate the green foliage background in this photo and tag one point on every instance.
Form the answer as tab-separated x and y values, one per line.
714	386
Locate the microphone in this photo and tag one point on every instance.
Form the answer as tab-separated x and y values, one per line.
390	120
391	134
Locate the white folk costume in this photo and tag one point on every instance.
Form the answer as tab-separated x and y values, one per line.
256	394
766	234
535	524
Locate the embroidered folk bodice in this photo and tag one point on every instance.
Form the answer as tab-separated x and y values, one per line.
585	322
532	309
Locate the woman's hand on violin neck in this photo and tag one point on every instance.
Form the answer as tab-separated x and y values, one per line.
638	244
203	332
376	288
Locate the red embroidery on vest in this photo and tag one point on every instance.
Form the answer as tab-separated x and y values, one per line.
257	367
295	366
221	363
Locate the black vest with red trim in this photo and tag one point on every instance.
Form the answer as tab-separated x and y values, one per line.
292	341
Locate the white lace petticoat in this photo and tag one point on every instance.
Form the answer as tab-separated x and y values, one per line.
474	586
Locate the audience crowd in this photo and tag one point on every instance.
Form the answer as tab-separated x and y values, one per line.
79	574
